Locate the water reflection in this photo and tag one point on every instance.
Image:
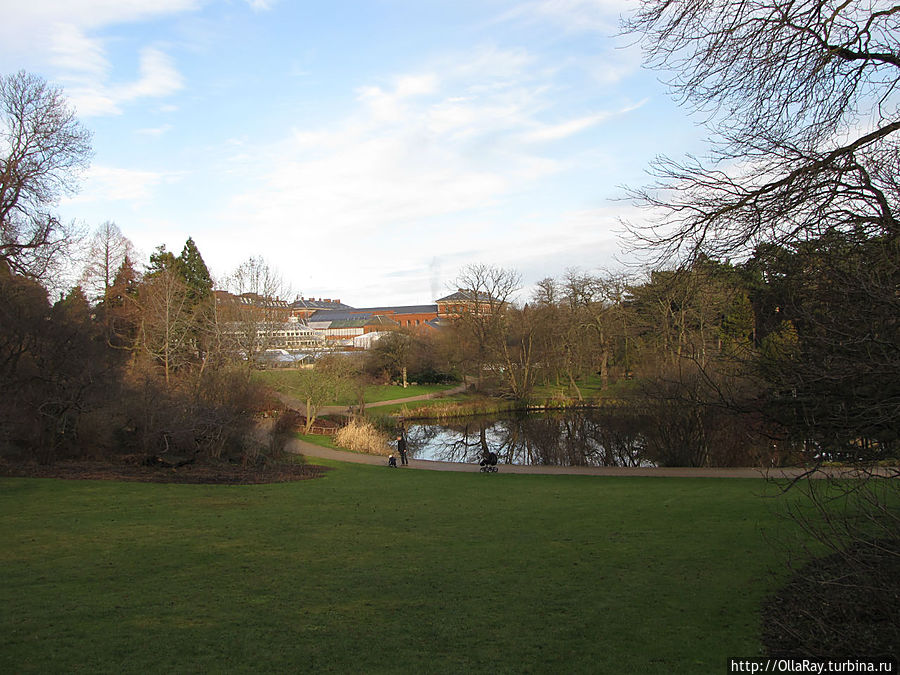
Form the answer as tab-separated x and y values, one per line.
574	438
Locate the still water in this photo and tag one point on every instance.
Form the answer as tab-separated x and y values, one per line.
573	438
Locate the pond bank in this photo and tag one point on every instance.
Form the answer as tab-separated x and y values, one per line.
307	449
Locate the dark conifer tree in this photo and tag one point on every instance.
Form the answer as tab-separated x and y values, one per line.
194	271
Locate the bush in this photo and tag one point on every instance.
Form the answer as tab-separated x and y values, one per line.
361	436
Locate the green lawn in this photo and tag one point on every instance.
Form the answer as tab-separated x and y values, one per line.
283	380
591	389
376	570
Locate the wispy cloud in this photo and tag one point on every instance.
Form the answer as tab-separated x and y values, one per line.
24	22
85	72
95	13
557	132
78	56
107	183
426	162
261	5
75	53
426	145
159	77
573	15
155	131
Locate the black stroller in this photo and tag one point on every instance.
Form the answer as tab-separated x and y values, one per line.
489	462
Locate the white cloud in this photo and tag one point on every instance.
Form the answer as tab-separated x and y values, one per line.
427	164
23	21
155	131
107	183
390	105
75	53
159	77
563	130
261	5
66	35
92	94
557	132
430	145
573	15
410	86
614	65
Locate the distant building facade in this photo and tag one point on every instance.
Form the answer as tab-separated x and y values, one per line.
309	324
464	302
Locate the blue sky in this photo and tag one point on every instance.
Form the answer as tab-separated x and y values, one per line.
367	149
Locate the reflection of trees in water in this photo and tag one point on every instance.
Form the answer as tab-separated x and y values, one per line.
575	438
465	441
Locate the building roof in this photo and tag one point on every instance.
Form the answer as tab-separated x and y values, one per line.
249	299
362	321
320	303
335	315
438	323
402	309
463	295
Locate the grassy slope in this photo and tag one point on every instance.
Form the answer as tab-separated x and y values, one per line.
284	380
375	570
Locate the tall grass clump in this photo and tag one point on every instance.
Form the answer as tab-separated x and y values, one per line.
360	435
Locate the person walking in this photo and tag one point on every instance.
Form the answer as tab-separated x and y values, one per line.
401	448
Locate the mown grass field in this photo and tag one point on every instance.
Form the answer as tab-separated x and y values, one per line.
285	381
377	570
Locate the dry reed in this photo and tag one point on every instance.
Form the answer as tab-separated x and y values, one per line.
360	435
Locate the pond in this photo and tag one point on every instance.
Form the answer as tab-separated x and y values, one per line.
573	438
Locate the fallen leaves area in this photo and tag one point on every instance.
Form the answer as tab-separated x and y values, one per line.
216	473
842	606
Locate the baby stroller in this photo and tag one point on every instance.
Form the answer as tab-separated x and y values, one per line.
489	463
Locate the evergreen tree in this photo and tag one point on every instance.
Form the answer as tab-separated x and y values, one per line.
119	309
160	261
194	271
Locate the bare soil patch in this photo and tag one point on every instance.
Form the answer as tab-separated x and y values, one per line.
214	473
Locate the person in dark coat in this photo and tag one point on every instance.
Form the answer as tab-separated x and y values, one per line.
401	448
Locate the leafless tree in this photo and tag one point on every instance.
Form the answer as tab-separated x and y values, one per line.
166	320
261	288
43	149
107	251
802	100
594	303
486	295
